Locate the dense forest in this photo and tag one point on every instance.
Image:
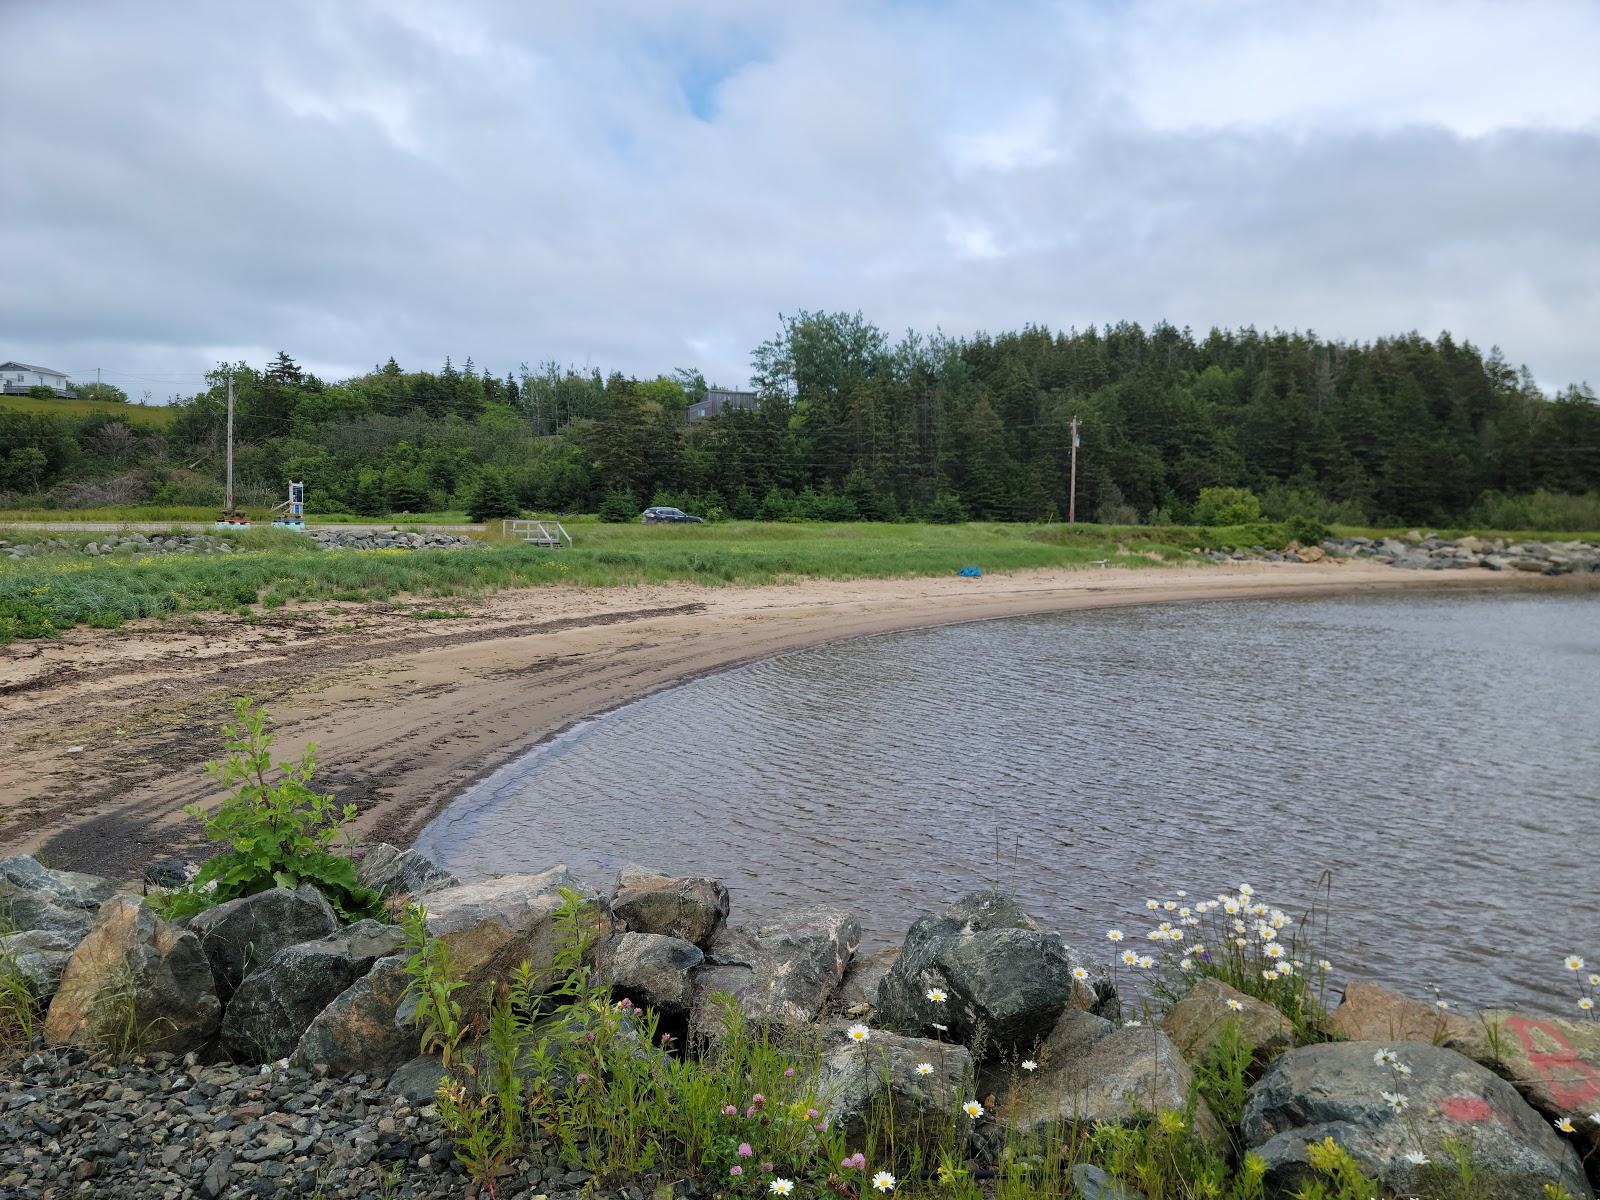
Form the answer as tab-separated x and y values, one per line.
853	424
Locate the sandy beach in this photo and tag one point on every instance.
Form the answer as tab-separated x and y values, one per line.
103	736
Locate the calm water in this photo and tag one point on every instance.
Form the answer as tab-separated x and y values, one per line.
1440	755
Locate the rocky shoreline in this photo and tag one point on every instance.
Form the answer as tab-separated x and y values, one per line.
1418	551
265	1048
326	537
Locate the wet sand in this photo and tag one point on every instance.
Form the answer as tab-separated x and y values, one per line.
103	736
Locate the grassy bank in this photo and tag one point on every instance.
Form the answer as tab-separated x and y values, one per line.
192	514
42	595
158	416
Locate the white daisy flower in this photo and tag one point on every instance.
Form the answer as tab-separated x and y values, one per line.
924	1068
1029	1065
973	1109
1236	1005
781	1187
936	995
883	1181
858	1033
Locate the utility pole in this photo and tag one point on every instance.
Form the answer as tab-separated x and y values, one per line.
1072	494
229	510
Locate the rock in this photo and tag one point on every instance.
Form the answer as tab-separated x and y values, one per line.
1337	1090
361	1031
35	897
1470	544
215	1180
418	1080
168	873
779	974
1370	1012
136	980
1311	554
244	934
1094	1184
1196	1021
998	970
38	957
681	907
880	1076
1553	1062
488	929
655	971
278	1001
858	991
1092	1071
400	876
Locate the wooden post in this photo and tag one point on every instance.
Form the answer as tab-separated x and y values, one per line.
1072	494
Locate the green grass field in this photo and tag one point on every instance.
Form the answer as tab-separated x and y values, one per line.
146	514
47	593
39	596
158	416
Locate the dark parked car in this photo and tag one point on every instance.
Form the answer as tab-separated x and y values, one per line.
668	516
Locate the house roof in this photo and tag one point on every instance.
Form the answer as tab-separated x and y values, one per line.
36	370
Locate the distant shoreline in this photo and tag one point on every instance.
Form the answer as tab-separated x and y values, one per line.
105	737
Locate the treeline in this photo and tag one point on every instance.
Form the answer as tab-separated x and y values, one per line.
853	424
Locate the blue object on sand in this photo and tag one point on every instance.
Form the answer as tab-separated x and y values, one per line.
971	571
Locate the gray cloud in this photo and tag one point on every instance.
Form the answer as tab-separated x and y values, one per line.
644	186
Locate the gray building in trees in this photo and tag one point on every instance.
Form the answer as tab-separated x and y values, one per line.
719	400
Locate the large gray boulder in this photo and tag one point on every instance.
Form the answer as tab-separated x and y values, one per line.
1338	1090
244	934
37	957
884	1074
1554	1062
277	1002
362	1030
135	982
779	973
673	906
401	876
857	996
1091	1071
998	971
489	929
35	897
655	971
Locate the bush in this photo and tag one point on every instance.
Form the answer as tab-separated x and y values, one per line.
619	507
947	509
1308	531
1539	510
278	833
491	497
1227	506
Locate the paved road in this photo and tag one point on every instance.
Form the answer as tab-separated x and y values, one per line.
198	526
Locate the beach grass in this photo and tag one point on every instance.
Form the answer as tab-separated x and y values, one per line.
49	592
157	415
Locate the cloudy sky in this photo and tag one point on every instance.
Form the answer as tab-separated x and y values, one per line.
647	185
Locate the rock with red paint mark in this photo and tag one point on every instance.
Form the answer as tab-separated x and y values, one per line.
1553	1062
1372	1013
1348	1091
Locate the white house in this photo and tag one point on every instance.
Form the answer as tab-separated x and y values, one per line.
16	378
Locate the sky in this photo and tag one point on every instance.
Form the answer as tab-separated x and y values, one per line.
647	185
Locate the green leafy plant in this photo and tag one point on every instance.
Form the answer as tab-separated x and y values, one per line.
278	831
1338	1176
432	987
1223	1076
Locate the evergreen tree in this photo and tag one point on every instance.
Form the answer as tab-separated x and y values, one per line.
492	497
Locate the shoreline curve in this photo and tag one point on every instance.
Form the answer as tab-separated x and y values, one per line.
105	738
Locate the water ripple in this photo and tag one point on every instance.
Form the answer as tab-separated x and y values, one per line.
1439	755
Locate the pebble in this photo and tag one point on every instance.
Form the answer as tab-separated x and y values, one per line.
75	1124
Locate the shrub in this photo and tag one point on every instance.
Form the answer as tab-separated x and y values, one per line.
1308	531
278	832
1227	506
619	507
491	497
947	509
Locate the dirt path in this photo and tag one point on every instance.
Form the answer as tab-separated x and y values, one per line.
103	735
